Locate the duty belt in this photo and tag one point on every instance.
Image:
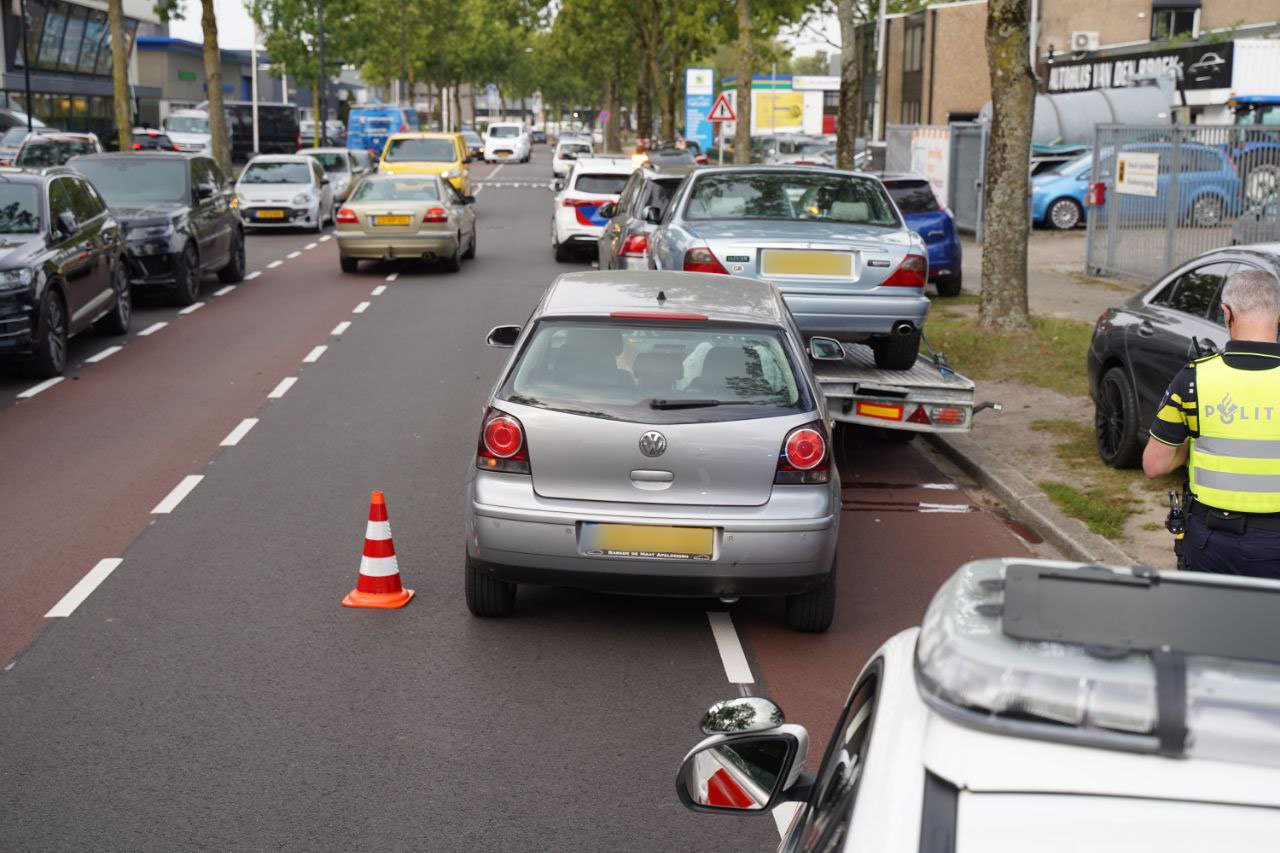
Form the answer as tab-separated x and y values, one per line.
1236	522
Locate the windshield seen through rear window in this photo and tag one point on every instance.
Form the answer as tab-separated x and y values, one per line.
701	372
790	195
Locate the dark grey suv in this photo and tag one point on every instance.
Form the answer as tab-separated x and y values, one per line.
63	267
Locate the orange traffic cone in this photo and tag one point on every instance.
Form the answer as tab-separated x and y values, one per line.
379	581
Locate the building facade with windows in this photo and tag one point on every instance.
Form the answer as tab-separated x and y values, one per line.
67	52
174	69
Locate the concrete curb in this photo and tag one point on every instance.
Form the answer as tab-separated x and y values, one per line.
1028	504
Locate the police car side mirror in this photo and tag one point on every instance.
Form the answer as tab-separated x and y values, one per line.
744	773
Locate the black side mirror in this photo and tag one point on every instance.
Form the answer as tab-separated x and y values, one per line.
608	210
205	190
1201	348
66	223
503	336
324	182
468	199
653	214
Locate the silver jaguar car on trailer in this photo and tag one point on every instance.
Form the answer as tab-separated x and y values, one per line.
661	434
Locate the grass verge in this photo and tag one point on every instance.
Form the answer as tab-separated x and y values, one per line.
1103	513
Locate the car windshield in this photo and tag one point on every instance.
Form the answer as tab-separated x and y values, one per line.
574	148
600	184
913	196
130	181
19	209
1075	164
13	136
276	173
504	131
186	124
699	372
421	151
330	161
790	195
49	153
398	190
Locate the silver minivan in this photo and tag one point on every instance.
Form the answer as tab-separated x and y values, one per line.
656	433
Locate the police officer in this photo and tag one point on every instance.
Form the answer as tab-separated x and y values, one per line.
1221	416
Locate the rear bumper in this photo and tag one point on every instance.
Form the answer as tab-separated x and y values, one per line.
378	247
944	261
782	548
856	315
293	216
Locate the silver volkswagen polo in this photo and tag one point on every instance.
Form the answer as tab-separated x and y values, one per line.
833	242
656	433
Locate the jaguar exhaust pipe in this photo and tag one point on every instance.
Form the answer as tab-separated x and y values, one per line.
903	327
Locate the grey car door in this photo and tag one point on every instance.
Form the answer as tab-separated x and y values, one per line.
461	213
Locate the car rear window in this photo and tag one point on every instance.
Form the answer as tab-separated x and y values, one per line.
616	370
913	196
330	161
276	173
19	209
574	148
421	151
790	195
508	131
383	190
52	153
601	184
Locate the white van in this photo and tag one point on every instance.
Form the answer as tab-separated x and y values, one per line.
507	141
189	130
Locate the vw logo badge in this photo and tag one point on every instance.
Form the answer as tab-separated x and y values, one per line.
653	443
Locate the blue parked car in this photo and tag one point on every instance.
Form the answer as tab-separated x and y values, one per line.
1208	189
368	127
926	216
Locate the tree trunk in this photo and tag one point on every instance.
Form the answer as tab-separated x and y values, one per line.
746	67
213	77
847	123
119	75
315	102
1005	223
457	105
613	136
673	82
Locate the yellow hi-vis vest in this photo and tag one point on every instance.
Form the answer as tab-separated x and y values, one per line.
1235	461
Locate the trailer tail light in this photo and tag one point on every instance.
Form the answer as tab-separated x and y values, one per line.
502	444
805	458
701	260
346	216
912	272
920	416
881	411
947	415
436	214
635	246
1097	196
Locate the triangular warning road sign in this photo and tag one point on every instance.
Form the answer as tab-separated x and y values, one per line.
720	110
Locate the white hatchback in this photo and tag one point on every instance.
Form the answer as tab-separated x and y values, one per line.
285	191
566	154
576	220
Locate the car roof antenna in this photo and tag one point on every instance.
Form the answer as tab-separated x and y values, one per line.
662	297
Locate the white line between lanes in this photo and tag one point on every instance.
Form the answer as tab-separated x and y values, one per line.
310	246
292	255
393	276
341	327
274	264
314	355
152	329
180	491
43	386
736	668
195	306
223	291
379	290
359	309
106	353
251	276
233	437
87	584
325	238
283	388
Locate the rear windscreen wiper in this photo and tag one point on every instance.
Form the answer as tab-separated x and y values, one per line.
682	404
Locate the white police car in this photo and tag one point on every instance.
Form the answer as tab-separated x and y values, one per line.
1041	706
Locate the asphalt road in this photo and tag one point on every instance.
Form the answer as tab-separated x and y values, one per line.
211	692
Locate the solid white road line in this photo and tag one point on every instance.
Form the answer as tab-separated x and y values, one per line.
195	306
180	491
341	327
310	246
325	238
292	255
393	276
274	264
251	276
43	386
359	309
314	355
379	290
223	291
736	668
931	507
81	590
233	437
283	388
942	486
106	353
152	329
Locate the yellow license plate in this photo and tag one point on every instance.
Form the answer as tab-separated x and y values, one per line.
270	214
392	220
797	262
647	541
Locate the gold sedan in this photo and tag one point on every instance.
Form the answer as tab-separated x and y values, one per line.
406	216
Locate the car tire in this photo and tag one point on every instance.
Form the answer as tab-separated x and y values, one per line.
453	263
1064	214
486	595
348	265
50	356
1115	420
896	352
233	271
812	612
319	226
117	321
471	250
949	286
1207	211
186	276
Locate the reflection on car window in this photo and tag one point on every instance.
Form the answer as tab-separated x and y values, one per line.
128	182
789	195
277	173
401	190
421	151
19	209
43	154
1196	292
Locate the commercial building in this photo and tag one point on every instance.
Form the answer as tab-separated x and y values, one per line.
173	70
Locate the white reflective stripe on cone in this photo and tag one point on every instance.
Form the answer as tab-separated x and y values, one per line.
379	567
378	530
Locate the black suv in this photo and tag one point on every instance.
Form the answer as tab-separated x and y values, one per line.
62	268
177	214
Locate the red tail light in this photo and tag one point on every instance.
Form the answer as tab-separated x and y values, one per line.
502	446
635	246
137	146
701	260
347	216
912	272
805	459
436	214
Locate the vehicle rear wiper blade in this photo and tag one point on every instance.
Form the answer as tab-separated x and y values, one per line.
682	404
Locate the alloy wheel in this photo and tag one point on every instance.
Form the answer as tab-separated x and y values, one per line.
1109	419
1064	214
56	333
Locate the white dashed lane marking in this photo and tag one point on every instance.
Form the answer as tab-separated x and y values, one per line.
274	264
393	276
180	491
325	239
283	388
223	291
87	584
43	386
152	329
310	246
251	276
106	353
359	309
341	327
736	668
195	306
241	430
314	355
379	290
292	255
